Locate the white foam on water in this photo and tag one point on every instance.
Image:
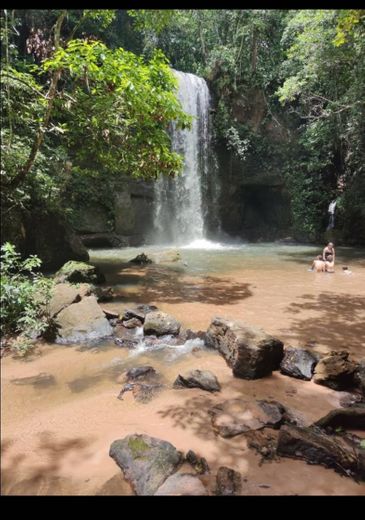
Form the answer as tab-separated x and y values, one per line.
171	352
203	243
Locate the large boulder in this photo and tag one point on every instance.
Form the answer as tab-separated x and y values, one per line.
182	484
63	294
335	371
82	321
160	323
315	447
77	272
145	461
299	363
237	416
249	351
203	379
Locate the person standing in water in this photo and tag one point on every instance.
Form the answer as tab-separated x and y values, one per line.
329	250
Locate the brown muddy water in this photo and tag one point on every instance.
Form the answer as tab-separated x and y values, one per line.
57	428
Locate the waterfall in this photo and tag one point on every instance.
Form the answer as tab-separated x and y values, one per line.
179	211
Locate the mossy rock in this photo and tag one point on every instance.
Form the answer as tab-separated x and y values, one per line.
145	461
77	272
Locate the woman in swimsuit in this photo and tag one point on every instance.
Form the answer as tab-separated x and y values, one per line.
329	250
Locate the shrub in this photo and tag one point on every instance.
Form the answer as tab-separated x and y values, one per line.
24	297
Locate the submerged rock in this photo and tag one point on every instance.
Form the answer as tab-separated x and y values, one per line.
42	380
140	372
182	484
203	379
298	362
335	371
229	482
126	342
237	416
141	259
160	323
249	351
142	392
132	323
76	272
145	461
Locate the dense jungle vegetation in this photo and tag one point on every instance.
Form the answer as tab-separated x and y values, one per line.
87	97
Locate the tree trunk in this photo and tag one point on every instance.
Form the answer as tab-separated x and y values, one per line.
39	137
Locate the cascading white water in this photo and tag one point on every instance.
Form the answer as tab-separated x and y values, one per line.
178	211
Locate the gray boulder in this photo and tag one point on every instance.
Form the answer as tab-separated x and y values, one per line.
82	321
203	379
160	323
63	294
299	363
145	461
182	484
249	351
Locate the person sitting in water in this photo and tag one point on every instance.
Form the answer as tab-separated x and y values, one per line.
329	250
330	264
346	270
318	264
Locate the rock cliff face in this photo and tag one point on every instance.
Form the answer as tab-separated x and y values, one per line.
45	234
127	223
245	198
254	203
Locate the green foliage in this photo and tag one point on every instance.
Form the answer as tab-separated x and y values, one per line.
24	295
152	19
103	16
347	20
132	103
323	86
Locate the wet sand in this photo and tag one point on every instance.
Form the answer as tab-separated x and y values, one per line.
56	436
